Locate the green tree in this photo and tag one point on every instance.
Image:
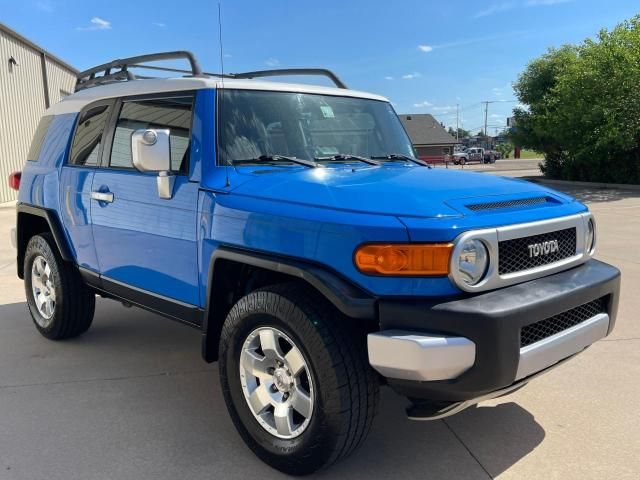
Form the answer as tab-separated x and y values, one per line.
462	133
582	108
505	149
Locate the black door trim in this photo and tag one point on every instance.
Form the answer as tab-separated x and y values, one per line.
186	313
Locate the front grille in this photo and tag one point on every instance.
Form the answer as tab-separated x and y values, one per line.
523	202
550	326
515	256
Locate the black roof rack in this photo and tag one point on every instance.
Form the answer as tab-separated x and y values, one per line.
283	72
88	78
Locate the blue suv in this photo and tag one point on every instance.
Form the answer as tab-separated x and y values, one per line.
295	228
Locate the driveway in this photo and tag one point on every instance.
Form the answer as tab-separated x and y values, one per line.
132	399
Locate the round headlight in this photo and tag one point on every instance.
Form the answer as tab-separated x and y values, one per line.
472	262
590	240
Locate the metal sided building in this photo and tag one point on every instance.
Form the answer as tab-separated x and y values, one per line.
31	79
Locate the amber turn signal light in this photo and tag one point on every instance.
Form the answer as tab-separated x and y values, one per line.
427	259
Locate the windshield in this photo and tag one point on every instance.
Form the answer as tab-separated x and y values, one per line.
256	124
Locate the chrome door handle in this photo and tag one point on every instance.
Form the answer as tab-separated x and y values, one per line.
102	196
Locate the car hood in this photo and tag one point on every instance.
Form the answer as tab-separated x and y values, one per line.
403	191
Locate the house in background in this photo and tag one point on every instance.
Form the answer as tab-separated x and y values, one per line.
31	80
430	140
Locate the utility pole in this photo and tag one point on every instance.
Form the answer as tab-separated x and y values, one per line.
457	127
486	111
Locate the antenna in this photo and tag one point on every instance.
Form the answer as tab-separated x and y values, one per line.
226	167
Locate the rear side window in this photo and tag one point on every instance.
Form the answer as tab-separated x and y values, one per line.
89	134
38	138
173	114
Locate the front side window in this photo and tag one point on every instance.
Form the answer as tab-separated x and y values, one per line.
173	114
88	137
306	126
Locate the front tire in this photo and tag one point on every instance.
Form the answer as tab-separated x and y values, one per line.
296	378
60	303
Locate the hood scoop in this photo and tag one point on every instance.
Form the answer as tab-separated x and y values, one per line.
493	204
521	202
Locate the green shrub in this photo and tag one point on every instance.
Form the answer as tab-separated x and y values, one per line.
583	108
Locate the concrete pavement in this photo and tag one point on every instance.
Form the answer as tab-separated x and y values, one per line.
132	399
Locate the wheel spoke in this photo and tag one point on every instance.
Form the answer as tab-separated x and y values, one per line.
269	344
40	263
36	282
255	365
41	302
283	419
301	402
294	361
48	307
259	399
47	271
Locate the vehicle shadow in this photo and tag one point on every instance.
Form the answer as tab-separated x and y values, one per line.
139	381
469	445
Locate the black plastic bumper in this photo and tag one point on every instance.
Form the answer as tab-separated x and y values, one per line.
493	321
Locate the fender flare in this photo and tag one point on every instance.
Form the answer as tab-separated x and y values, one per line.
351	300
55	227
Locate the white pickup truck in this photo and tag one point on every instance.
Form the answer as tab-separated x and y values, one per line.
475	154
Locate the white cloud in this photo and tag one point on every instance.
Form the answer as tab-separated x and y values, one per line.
159	24
411	76
44	6
388	78
272	62
425	48
423	104
538	3
444	109
227	55
497	91
97	23
509	5
486	38
495	8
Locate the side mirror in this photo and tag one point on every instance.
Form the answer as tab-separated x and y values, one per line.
151	152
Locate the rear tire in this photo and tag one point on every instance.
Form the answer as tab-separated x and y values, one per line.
60	303
342	386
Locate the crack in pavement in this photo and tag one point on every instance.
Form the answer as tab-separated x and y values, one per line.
467	449
619	339
106	379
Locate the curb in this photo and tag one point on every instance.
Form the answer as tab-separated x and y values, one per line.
11	204
568	183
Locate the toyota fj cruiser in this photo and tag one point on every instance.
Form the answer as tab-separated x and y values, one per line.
293	226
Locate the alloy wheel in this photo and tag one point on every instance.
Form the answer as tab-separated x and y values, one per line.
276	382
44	291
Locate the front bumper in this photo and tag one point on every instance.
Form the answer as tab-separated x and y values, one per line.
460	349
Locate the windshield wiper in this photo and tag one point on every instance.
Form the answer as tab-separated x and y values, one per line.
345	157
392	157
274	159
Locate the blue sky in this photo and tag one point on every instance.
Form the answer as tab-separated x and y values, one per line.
425	56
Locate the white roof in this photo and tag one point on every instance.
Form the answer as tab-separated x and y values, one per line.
74	103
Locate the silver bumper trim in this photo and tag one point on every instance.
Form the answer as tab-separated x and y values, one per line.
410	356
546	352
